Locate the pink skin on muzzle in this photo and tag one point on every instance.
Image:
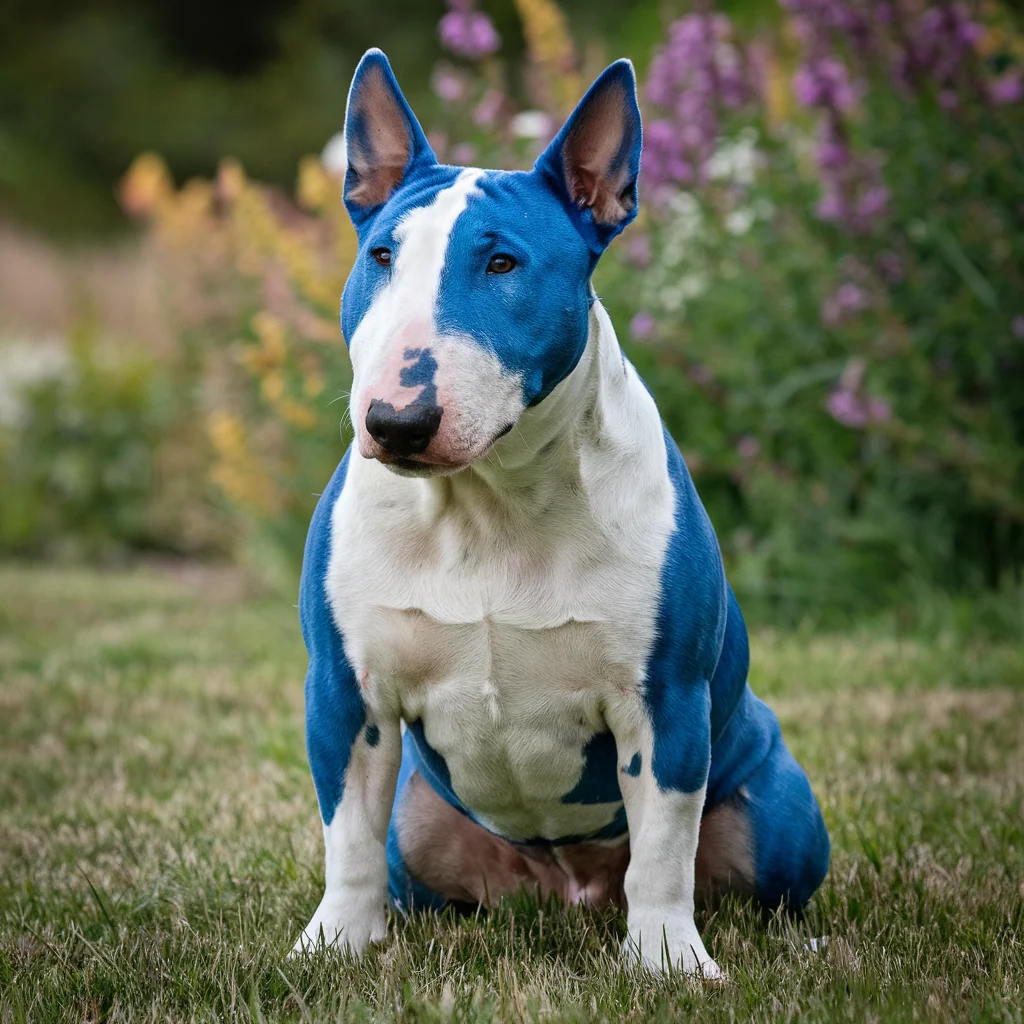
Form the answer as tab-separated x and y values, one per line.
447	449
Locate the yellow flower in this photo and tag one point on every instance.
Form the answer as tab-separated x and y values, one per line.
313	385
237	471
146	185
314	186
231	180
270	330
777	91
551	48
295	413
273	386
226	434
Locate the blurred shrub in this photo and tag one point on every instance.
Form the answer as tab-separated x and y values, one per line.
97	461
263	277
823	290
84	87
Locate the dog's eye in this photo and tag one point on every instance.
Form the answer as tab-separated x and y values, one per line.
500	264
382	256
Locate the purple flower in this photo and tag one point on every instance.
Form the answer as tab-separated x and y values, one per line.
463	154
695	73
825	83
846	408
748	447
1006	89
890	267
447	85
468	33
487	110
848	299
878	409
872	203
642	326
831	207
849	406
832	155
1017	326
638	250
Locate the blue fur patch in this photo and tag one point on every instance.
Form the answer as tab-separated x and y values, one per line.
335	713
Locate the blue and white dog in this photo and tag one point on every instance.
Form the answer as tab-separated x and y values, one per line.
512	561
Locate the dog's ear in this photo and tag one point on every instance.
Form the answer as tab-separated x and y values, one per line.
594	161
383	139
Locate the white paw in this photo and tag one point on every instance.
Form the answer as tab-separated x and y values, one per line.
664	948
339	922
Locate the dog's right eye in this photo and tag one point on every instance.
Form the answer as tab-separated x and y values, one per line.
382	256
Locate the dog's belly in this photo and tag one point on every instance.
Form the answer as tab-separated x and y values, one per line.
512	711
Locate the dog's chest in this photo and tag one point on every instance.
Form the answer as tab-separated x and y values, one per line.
506	652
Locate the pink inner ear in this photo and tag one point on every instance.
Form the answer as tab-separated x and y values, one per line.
381	157
588	156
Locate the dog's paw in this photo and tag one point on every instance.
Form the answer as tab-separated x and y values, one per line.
341	924
665	948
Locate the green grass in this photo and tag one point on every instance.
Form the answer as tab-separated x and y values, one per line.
160	846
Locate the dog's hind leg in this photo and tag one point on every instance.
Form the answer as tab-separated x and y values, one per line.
725	853
790	842
768	839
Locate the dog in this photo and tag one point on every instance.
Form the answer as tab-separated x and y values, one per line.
526	667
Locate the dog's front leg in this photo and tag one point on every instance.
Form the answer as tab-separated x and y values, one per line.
351	913
663	811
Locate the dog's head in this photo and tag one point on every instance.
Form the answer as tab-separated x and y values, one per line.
468	302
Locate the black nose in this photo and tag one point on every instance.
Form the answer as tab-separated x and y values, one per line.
402	431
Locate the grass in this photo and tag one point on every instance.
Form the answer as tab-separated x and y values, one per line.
160	847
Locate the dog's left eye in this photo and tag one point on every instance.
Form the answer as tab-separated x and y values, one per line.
382	256
500	264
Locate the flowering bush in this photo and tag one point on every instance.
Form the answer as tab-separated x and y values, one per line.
830	306
824	288
265	274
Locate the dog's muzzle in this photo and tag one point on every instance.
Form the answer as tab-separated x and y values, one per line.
403	432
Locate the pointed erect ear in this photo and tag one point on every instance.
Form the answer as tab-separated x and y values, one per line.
594	160
383	139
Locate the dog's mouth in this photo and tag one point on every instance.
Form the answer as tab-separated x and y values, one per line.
425	466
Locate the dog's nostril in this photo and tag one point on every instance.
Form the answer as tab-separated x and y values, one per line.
405	431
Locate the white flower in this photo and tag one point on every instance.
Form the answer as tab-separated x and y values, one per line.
735	160
25	363
739	221
334	157
531	124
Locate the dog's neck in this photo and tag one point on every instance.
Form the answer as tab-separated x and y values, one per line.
538	468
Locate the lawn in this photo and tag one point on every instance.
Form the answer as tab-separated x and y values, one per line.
160	845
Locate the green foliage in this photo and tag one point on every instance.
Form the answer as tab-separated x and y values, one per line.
82	468
86	87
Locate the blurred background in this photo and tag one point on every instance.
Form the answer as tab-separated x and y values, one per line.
824	289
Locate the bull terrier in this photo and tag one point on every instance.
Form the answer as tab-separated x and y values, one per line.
526	667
